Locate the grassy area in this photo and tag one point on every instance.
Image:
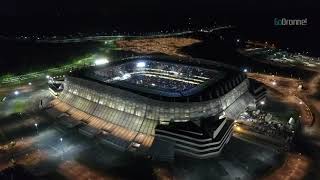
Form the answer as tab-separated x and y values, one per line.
19	106
76	64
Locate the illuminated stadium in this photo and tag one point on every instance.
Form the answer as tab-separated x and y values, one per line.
158	78
158	106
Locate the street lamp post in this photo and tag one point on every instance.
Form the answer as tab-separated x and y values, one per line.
36	125
61	148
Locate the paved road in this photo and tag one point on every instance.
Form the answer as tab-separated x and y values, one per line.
287	89
307	102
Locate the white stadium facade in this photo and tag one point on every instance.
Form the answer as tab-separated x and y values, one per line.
155	104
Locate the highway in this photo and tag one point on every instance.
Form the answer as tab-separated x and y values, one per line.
295	167
306	101
288	91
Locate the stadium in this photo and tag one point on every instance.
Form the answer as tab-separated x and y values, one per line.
157	105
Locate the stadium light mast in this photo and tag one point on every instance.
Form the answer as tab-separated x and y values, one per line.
141	64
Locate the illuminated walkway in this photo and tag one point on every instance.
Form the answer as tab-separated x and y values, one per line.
107	128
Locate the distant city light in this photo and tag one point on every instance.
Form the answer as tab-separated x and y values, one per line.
245	70
101	61
141	64
16	93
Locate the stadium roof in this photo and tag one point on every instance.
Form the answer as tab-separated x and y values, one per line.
161	76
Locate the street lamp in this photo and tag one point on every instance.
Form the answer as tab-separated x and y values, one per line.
36	125
61	148
16	92
238	128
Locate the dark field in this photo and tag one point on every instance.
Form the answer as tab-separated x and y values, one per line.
21	57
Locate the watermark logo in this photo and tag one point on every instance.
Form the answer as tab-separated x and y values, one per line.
290	22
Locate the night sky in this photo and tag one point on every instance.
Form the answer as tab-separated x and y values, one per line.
129	7
252	17
148	11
